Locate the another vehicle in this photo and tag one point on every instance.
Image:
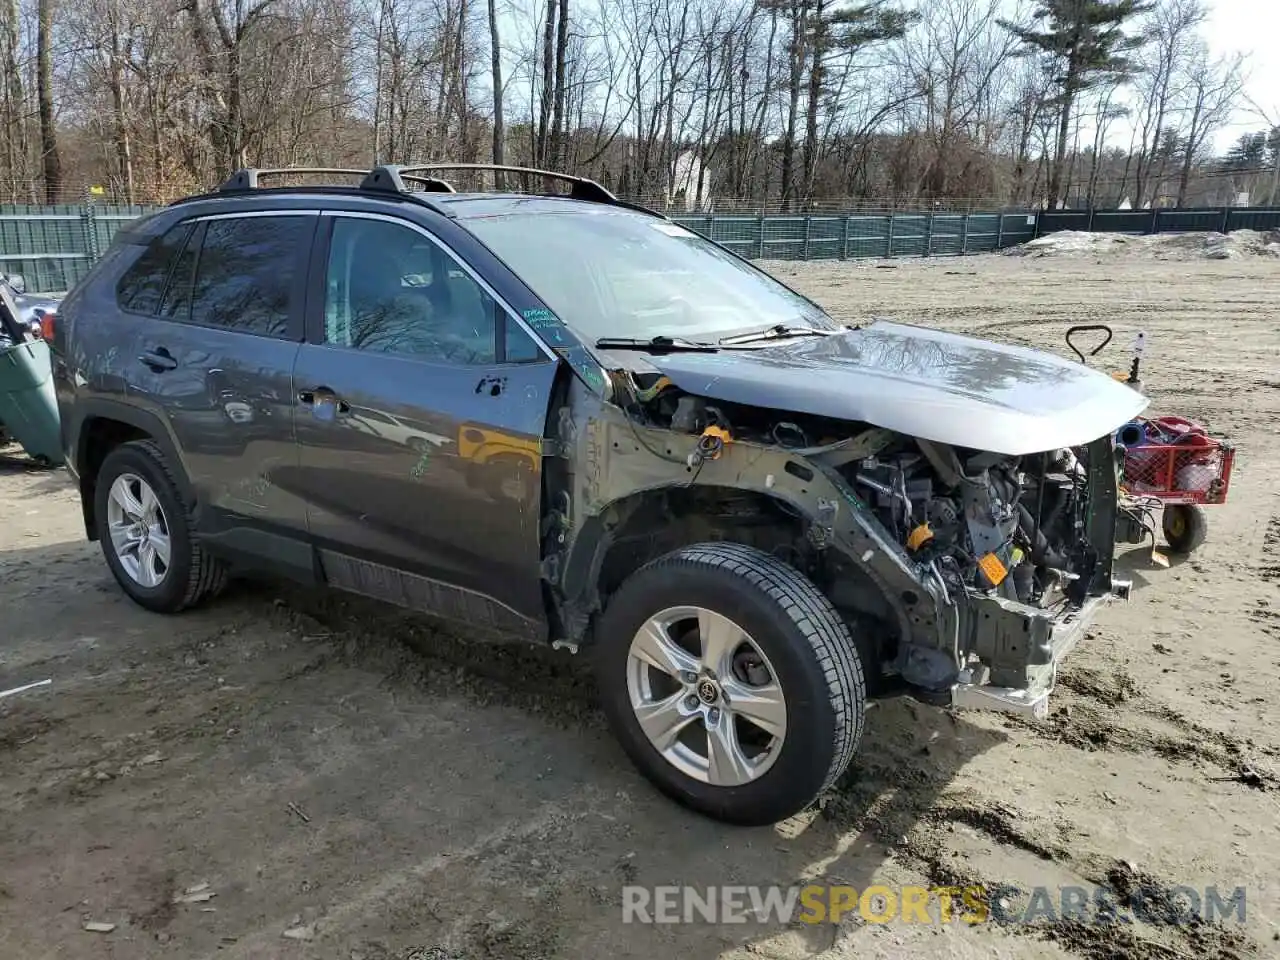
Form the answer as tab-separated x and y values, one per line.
751	516
34	311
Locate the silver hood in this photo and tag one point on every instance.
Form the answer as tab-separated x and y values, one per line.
921	382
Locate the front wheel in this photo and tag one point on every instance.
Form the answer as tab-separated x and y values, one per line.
731	682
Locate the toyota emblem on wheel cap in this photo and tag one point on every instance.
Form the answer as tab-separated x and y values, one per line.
707	690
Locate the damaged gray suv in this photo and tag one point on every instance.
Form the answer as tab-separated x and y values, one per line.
567	417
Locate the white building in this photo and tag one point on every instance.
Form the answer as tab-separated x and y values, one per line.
683	191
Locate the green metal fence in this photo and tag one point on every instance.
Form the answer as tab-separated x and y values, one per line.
859	236
53	247
1162	220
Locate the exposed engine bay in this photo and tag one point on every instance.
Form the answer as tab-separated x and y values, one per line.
1014	526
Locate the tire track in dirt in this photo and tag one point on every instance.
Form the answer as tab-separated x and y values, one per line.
919	834
1094	721
1270	568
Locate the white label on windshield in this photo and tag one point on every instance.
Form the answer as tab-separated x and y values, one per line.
672	230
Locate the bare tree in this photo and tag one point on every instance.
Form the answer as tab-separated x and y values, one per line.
499	128
1214	87
1084	41
1170	30
52	160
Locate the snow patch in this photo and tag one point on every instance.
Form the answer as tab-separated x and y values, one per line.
1160	246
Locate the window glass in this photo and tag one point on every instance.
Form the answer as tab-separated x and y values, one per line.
391	290
246	271
142	285
521	347
176	304
614	273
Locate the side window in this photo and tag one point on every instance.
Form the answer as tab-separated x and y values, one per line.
176	304
245	273
521	347
389	289
142	285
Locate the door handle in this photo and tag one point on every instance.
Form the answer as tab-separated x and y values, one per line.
323	395
158	359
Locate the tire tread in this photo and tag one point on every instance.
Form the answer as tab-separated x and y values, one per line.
206	575
816	619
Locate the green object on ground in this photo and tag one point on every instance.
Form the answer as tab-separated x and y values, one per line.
28	406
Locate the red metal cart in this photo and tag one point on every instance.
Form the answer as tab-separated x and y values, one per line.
1171	464
1178	464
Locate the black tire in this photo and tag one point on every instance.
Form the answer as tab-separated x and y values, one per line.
193	575
1185	527
809	646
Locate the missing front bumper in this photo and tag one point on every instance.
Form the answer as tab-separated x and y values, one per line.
1025	689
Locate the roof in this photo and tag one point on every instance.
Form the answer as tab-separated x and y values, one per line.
466	206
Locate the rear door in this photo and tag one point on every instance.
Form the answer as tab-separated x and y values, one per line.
422	402
218	318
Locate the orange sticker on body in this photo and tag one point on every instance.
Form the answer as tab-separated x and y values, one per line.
995	570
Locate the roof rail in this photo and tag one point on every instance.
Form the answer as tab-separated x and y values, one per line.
248	178
392	177
583	189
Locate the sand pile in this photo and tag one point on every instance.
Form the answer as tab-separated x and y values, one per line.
1160	246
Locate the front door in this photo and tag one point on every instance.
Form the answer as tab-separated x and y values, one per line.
420	410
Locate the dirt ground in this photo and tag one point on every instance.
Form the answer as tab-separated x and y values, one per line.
380	789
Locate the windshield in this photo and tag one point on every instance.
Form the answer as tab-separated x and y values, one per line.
619	274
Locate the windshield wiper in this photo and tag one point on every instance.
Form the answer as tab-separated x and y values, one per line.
779	331
656	344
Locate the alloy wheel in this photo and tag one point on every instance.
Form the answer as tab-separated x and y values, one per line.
139	530
706	696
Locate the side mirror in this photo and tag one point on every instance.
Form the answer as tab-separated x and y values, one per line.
17	282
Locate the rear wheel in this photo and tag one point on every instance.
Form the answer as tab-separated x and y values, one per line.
1185	527
145	532
731	682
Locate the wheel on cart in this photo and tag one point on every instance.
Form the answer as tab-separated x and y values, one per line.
1185	526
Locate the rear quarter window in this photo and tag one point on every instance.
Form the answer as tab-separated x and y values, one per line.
142	285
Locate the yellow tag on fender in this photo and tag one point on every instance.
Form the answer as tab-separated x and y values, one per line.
995	570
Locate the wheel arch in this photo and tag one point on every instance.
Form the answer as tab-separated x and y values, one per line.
101	427
631	531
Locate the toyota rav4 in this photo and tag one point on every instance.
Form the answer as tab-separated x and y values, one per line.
638	446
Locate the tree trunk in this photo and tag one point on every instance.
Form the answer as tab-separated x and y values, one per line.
1064	134
236	146
15	125
44	94
499	128
120	120
557	111
544	106
810	158
799	24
